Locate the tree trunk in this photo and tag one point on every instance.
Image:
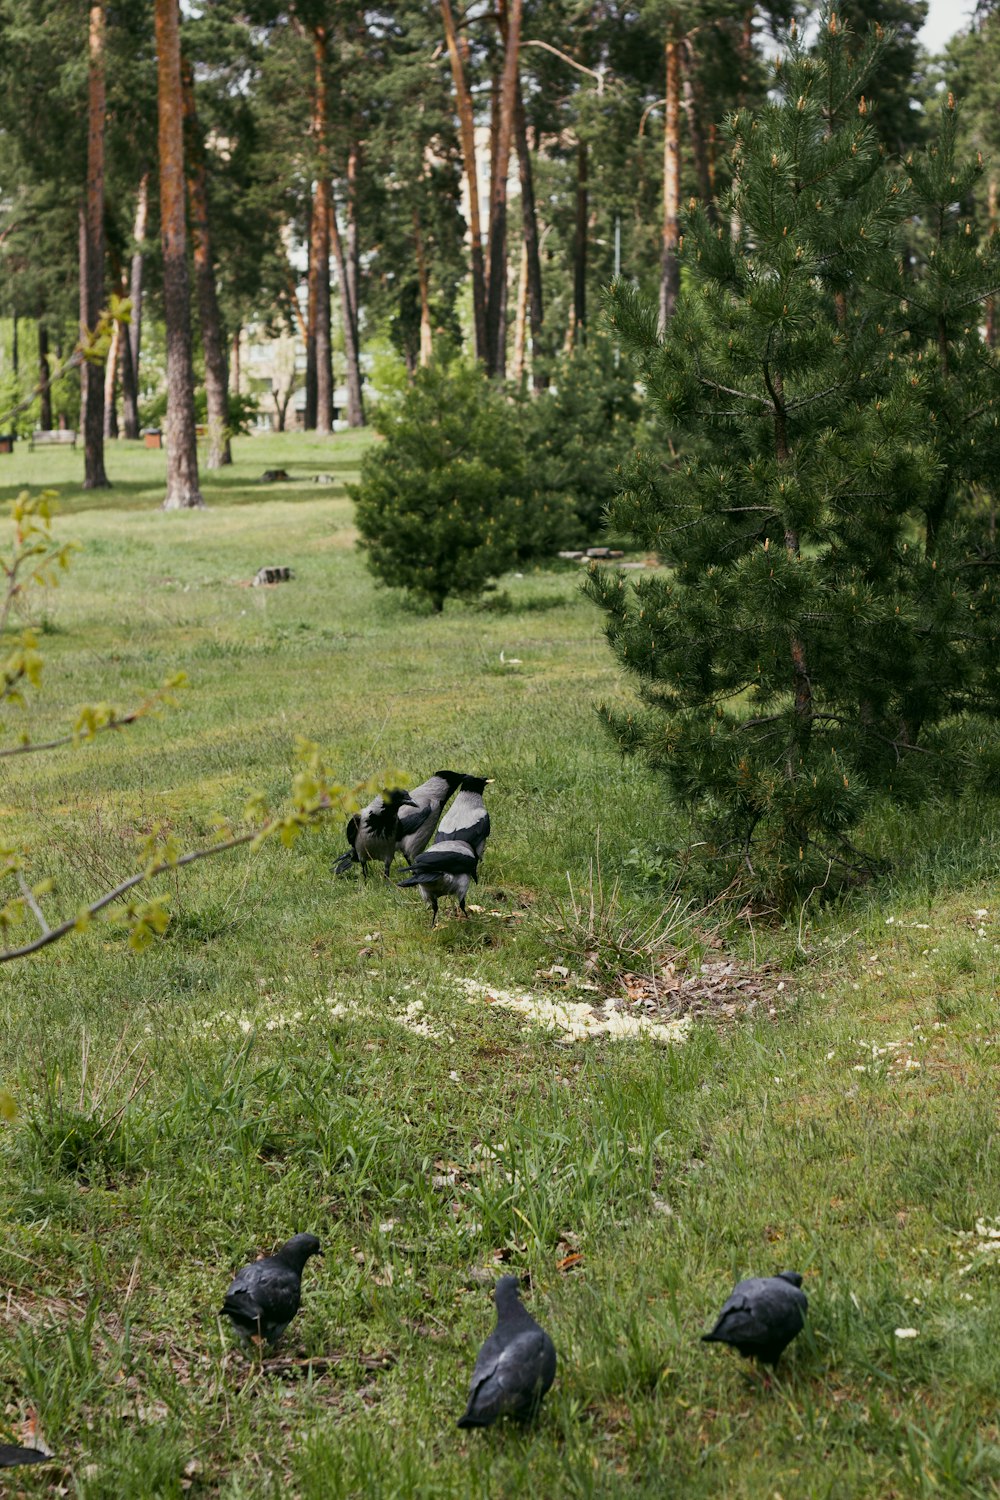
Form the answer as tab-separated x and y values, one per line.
694	110
521	317
212	338
669	267
15	354
235	372
130	395
463	101
183	490
496	330
579	324
532	261
991	228
426	332
309	415
111	383
321	237
355	401
92	257
135	296
45	390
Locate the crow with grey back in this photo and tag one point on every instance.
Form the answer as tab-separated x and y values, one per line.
417	824
762	1316
264	1297
516	1365
373	833
452	861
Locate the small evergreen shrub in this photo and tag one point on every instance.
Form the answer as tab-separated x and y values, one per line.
440	502
577	435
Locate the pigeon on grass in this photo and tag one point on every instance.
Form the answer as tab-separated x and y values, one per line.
374	832
264	1297
452	861
516	1365
11	1456
762	1316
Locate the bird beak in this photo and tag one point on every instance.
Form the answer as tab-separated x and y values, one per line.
409	802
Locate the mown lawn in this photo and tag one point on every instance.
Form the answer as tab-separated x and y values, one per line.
298	1053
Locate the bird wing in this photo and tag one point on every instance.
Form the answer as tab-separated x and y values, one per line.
353	829
505	1378
760	1310
414	819
471	826
11	1456
264	1294
450	857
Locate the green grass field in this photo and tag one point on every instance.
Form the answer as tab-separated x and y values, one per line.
301	1053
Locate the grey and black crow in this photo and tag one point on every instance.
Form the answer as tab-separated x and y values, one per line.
516	1365
762	1316
452	861
417	825
374	832
264	1297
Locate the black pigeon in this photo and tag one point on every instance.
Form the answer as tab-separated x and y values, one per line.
264	1297
452	861
11	1457
374	832
762	1316
516	1365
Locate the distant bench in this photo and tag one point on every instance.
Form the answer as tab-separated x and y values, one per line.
55	437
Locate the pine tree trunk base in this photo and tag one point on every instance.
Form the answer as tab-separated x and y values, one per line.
190	500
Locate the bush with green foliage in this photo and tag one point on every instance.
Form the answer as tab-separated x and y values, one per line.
440	501
577	435
826	631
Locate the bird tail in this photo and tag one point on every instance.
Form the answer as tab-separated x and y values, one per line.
342	866
420	877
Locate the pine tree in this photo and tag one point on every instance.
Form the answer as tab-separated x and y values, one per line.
820	630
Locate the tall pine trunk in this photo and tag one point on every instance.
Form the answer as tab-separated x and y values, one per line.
183	490
579	323
130	360
426	332
44	388
467	133
92	256
212	337
694	113
521	317
320	244
496	284
111	383
355	402
669	267
309	415
532	263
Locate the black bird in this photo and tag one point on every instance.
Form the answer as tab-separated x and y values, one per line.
11	1457
452	861
264	1297
516	1365
417	827
374	832
762	1316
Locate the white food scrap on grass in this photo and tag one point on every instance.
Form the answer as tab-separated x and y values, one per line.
979	1246
575	1020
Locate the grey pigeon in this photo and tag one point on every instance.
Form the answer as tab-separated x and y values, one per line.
516	1365
373	832
264	1297
762	1316
452	861
11	1456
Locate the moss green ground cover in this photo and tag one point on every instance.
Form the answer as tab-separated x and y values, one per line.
299	1053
